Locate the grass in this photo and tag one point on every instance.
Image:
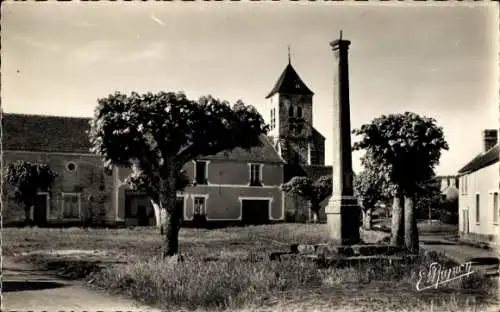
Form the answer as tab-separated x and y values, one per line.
229	269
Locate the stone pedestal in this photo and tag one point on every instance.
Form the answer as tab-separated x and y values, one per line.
343	213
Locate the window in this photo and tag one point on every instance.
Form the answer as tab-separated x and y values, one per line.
290	111
255	175
477	208
273	118
199	206
201	172
299	112
495	208
465	185
71	206
70	166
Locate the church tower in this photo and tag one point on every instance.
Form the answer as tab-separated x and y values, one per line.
290	116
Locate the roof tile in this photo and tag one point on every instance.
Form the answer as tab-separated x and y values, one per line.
482	160
290	82
39	133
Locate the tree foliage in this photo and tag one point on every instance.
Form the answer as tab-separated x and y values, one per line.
405	148
27	179
156	134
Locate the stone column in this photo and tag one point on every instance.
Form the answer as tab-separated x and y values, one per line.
342	211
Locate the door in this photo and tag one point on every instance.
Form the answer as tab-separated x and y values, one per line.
255	211
200	210
40	209
142	216
466	221
138	209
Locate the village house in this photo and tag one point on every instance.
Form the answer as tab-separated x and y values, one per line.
478	193
82	189
236	186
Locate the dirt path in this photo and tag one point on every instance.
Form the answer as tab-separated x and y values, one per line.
26	289
460	253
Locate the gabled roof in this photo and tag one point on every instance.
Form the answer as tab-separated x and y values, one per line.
265	153
482	160
39	133
290	82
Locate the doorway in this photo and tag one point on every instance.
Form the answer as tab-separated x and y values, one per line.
138	209
465	224
40	209
255	211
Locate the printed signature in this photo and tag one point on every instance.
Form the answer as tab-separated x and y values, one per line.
436	275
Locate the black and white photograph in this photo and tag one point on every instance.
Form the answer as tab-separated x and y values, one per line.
250	156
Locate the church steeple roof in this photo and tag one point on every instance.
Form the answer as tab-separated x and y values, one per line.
290	82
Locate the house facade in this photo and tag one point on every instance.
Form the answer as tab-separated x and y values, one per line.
237	186
82	189
479	212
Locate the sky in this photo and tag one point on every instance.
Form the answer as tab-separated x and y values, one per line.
438	61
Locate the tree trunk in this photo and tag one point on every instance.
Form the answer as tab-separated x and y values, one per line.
411	231
172	227
367	219
397	228
173	215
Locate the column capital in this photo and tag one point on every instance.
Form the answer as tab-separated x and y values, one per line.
340	43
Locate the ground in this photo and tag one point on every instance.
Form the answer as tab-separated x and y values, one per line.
227	269
27	289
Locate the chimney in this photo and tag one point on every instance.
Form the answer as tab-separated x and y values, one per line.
490	137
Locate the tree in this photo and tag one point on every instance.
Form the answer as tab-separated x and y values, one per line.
369	189
428	198
157	134
313	191
405	149
27	179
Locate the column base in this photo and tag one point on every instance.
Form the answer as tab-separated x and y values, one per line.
343	220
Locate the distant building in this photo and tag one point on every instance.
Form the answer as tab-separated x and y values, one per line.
448	187
479	212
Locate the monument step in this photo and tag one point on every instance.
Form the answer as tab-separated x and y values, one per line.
353	250
342	260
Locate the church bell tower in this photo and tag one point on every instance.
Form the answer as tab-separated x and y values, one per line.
291	119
